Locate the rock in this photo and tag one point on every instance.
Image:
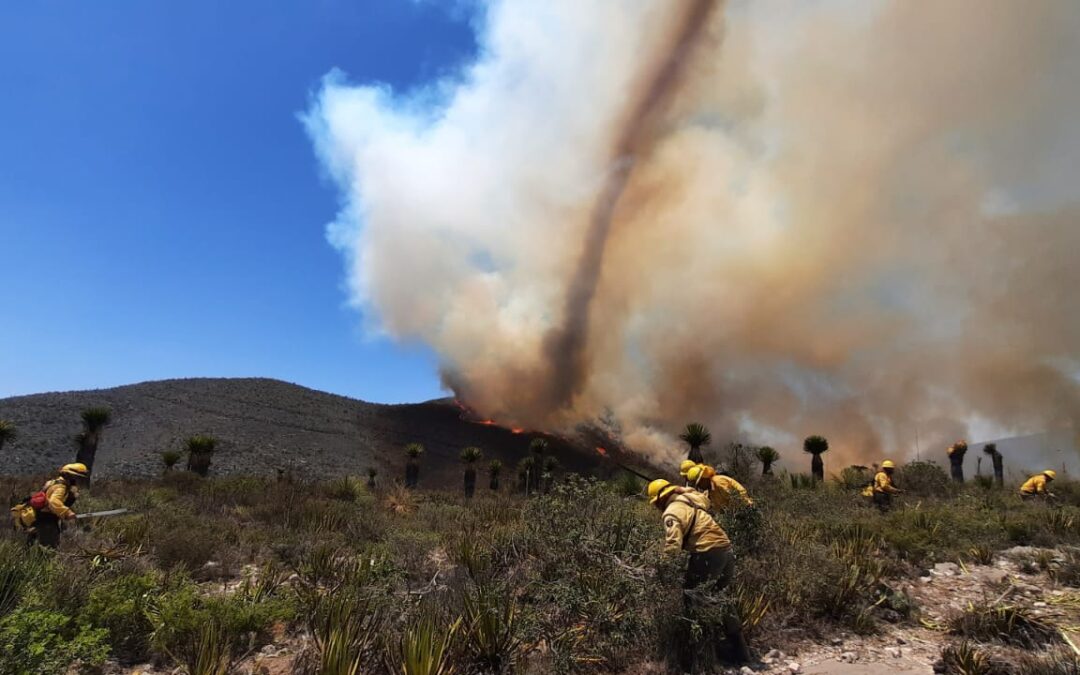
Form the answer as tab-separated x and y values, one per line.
794	667
849	657
837	641
993	576
775	654
946	569
894	652
1040	604
746	670
900	640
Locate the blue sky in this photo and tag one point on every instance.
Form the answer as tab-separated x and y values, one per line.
162	213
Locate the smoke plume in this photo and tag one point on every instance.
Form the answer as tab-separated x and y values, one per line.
857	219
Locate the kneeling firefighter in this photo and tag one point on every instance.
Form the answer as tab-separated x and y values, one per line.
1037	487
722	489
688	526
883	488
41	514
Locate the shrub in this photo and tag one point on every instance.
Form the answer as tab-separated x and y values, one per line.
490	633
426	646
40	641
923	479
119	606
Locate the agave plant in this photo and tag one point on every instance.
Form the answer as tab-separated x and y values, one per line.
767	456
816	446
94	422
470	456
8	432
412	466
426	646
696	436
169	458
345	628
200	449
490	631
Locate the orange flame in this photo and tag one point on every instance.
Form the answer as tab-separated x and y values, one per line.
602	451
517	430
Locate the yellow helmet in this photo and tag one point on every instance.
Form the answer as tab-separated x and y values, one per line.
1051	474
686	465
888	464
658	489
694	474
78	470
707	472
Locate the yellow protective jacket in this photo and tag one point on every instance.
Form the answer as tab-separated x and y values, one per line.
687	524
883	484
57	492
1036	485
723	488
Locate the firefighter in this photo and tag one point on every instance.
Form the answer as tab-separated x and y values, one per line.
1035	487
721	488
688	526
685	467
59	494
883	488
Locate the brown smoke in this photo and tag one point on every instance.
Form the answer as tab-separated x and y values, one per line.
852	219
564	345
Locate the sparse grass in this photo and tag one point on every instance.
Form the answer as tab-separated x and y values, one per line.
1004	624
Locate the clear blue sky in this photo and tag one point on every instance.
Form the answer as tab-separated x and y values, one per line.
161	210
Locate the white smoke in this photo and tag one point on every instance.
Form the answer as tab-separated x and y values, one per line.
852	218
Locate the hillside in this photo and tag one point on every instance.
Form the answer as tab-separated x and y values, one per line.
261	425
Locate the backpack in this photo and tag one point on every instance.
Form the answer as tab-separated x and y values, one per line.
38	501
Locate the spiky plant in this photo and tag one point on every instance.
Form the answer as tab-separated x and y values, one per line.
696	436
489	630
816	446
494	469
470	456
94	422
169	458
426	647
767	456
999	465
8	432
412	465
200	449
538	447
346	628
526	468
956	454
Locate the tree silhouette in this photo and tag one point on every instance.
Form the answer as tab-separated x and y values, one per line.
696	436
816	446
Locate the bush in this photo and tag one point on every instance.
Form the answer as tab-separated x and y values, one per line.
1004	624
923	479
34	641
119	606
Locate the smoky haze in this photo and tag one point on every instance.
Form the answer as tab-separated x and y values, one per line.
857	219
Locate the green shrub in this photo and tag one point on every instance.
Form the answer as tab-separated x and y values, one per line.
923	479
1004	624
34	641
119	606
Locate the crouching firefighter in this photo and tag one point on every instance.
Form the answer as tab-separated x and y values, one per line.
688	526
41	515
882	489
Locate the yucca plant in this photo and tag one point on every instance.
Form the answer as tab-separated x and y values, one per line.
8	432
345	628
494	469
538	448
547	477
412	465
999	466
470	456
372	472
767	456
200	449
490	636
696	436
94	422
956	454
425	647
169	458
526	468
210	652
816	446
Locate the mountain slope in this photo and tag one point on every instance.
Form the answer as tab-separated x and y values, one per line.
262	425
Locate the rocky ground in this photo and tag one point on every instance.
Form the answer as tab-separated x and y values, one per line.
898	649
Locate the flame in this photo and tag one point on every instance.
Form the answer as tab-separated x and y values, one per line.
602	451
487	423
517	430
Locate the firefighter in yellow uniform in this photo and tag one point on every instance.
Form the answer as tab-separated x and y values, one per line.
883	488
42	521
1035	487
722	489
688	526
684	468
